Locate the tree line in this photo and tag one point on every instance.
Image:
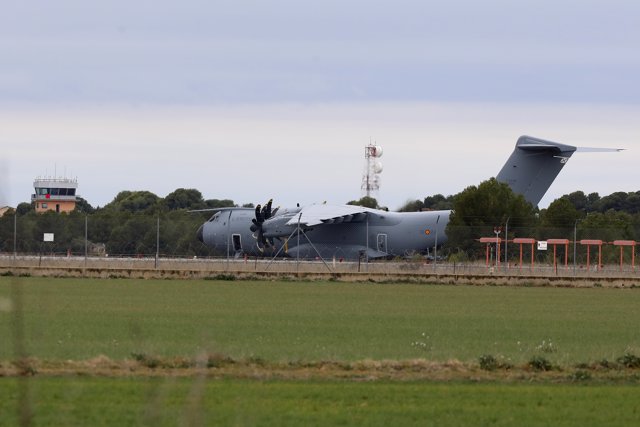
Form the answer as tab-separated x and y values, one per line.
483	210
128	225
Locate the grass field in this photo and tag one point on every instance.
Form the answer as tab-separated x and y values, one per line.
279	323
156	402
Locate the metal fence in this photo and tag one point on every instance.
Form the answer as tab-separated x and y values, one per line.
168	241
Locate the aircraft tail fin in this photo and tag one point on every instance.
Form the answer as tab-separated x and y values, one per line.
533	166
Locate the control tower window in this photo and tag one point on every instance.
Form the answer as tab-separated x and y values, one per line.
71	191
54	191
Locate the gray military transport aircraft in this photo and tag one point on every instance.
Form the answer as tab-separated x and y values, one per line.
350	232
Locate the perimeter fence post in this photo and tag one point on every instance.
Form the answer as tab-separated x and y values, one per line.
157	242
86	239
15	236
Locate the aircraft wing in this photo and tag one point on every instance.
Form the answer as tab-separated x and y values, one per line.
229	208
329	214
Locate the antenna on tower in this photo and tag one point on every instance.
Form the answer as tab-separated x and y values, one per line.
372	169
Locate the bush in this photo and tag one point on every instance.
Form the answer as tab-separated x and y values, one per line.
217	360
539	363
222	276
488	362
629	360
604	363
146	360
580	376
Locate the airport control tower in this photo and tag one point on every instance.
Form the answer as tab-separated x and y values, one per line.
54	194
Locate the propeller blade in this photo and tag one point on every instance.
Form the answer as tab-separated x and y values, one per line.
262	213
268	209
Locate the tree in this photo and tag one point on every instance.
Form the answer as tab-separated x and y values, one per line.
134	201
608	226
616	201
412	206
183	198
216	203
367	202
559	218
24	208
438	202
477	210
579	201
83	206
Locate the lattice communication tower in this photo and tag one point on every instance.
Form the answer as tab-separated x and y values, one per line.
372	169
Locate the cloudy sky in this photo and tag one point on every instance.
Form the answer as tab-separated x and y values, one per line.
249	100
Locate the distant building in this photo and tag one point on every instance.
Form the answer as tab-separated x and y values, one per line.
4	209
55	194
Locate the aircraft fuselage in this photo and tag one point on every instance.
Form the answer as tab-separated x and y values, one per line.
378	233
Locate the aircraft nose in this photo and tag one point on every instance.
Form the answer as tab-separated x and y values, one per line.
199	233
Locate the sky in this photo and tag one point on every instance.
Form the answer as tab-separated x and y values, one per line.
251	100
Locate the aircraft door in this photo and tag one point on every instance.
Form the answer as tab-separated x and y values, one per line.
382	243
237	242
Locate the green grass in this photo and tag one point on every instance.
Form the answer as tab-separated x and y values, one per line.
79	319
289	321
123	401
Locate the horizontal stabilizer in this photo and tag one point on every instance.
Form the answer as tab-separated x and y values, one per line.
539	147
598	150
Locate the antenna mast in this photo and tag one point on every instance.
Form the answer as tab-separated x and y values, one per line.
372	169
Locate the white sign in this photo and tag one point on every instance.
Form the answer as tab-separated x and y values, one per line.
542	246
48	237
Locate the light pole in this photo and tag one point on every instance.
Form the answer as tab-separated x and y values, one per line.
298	245
435	247
157	241
228	236
506	242
497	230
86	240
15	235
367	253
575	237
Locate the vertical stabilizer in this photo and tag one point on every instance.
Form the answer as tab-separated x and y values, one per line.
533	166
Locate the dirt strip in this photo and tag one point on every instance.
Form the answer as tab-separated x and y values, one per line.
366	370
